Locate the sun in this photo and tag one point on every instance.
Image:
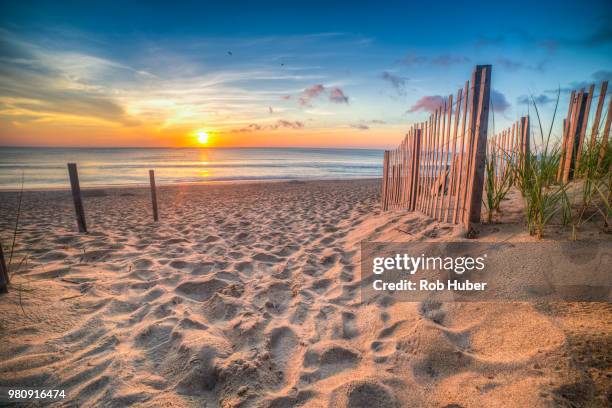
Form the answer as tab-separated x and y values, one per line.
202	137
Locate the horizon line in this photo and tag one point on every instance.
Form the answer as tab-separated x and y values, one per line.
189	147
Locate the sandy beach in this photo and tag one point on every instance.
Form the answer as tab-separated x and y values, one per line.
247	295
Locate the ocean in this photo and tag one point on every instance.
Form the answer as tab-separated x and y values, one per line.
46	167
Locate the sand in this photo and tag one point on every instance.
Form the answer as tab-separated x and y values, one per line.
248	296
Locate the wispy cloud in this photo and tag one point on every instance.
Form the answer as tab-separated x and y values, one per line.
360	126
443	60
310	93
336	95
280	124
514	65
499	101
428	103
541	99
397	82
596	78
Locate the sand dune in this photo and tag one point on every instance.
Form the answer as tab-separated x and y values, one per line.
248	296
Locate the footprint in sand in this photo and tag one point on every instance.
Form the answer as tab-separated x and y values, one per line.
363	394
325	360
282	343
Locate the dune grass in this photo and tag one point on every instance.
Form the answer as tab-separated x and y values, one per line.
535	174
497	182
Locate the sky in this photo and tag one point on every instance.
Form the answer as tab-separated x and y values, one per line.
317	74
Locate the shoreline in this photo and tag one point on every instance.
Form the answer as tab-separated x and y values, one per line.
184	184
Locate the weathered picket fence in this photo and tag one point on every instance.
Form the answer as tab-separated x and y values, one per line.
509	147
575	128
438	169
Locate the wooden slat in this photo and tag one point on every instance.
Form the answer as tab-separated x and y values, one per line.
605	136
566	125
452	185
439	159
445	154
572	140
525	140
600	103
383	194
469	146
430	172
581	137
461	172
416	146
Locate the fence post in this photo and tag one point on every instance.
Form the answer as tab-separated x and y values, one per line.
566	124
604	137
4	276
573	137
414	170
595	128
76	197
525	140
153	194
481	82
383	192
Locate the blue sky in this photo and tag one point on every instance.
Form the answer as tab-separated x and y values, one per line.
277	73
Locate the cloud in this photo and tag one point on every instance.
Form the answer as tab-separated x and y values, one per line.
378	121
310	93
397	82
427	104
602	75
597	77
601	36
512	65
541	99
360	126
280	124
499	101
443	60
31	87
336	95
287	124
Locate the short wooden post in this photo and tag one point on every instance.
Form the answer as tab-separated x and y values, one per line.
76	197
153	195
481	83
4	276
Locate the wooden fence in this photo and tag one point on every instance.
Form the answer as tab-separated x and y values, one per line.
575	126
510	146
438	169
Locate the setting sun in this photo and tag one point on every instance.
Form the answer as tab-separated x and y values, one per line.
202	137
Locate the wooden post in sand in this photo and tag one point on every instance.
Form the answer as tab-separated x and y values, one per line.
153	194
385	181
76	197
4	276
525	141
481	83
